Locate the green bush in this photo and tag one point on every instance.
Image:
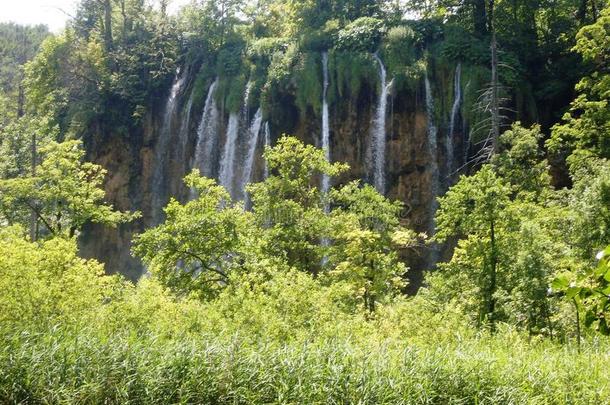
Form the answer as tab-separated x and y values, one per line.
361	35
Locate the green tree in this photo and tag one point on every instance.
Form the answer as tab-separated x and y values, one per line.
63	194
45	284
589	291
475	209
202	243
290	205
366	238
586	128
508	224
350	236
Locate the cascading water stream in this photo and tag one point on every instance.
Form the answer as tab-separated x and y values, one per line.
159	185
207	135
225	177
184	127
467	133
183	135
432	136
325	142
267	144
376	153
253	133
455	110
432	145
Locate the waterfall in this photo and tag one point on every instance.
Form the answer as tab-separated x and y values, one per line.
432	145
225	177
267	144
325	126
248	167
467	133
432	136
377	145
207	136
159	186
183	136
457	103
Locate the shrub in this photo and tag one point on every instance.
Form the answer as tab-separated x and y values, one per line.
361	35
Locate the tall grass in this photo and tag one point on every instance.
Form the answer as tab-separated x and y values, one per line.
71	336
61	367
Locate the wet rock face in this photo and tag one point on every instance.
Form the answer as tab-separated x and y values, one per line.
126	165
130	163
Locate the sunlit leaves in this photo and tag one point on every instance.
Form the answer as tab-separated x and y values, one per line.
64	194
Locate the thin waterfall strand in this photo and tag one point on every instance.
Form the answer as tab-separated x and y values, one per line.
207	137
267	144
225	178
432	136
253	132
159	179
432	145
183	135
325	126
377	145
455	110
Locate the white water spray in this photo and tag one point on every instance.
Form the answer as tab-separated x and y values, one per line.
225	177
325	142
377	145
432	137
183	135
248	167
159	186
432	145
267	144
207	135
457	103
